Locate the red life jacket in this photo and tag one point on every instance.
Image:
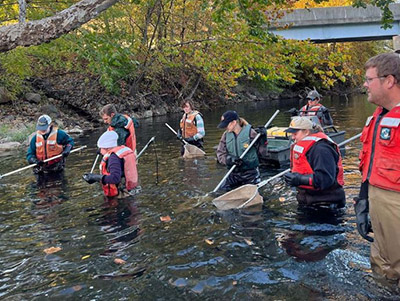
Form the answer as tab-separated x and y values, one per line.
310	111
130	170
47	148
382	151
188	124
298	158
131	139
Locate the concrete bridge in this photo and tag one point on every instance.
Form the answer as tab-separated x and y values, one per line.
337	24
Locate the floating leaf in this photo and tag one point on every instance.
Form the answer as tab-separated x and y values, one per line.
166	218
281	199
249	242
77	288
234	282
85	257
209	241
52	250
119	261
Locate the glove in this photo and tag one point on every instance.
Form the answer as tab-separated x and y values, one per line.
230	161
67	150
34	160
92	178
190	140
238	162
262	131
361	207
293	112
179	135
296	179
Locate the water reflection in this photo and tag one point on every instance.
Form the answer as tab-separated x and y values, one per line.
120	221
49	189
274	252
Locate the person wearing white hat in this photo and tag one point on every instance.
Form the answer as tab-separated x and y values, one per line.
49	141
118	162
316	166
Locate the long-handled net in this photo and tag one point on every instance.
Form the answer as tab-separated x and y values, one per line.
248	195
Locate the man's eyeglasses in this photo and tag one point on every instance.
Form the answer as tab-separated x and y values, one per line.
368	80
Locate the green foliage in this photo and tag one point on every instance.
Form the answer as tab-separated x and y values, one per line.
154	44
15	67
12	134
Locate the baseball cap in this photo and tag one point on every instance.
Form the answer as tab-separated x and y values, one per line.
226	118
299	123
107	140
43	123
313	94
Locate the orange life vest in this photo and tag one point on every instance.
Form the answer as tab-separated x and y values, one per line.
131	139
298	159
188	124
130	170
47	148
311	111
381	150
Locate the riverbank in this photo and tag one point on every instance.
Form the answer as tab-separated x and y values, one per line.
73	100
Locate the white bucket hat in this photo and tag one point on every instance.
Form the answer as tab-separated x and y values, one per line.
107	140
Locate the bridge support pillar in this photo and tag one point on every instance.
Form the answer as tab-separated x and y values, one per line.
396	43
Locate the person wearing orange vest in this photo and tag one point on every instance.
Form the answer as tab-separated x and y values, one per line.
191	125
122	124
316	166
49	141
380	166
315	108
118	165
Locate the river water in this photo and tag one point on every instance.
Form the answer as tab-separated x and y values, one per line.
275	253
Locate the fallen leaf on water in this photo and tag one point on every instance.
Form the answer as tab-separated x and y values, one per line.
234	282
281	199
164	181
165	218
119	261
249	242
52	250
209	241
85	257
77	288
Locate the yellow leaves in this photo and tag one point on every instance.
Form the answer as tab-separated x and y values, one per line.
248	242
209	241
52	250
85	257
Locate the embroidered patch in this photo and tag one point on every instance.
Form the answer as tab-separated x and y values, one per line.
296	156
385	133
246	145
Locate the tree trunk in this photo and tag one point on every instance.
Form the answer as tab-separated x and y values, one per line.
47	29
22	11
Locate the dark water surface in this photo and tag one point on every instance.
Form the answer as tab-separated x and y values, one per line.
275	253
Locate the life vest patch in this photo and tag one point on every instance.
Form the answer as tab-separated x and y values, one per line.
296	155
385	133
245	145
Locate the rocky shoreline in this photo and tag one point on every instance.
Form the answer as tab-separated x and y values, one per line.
73	101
